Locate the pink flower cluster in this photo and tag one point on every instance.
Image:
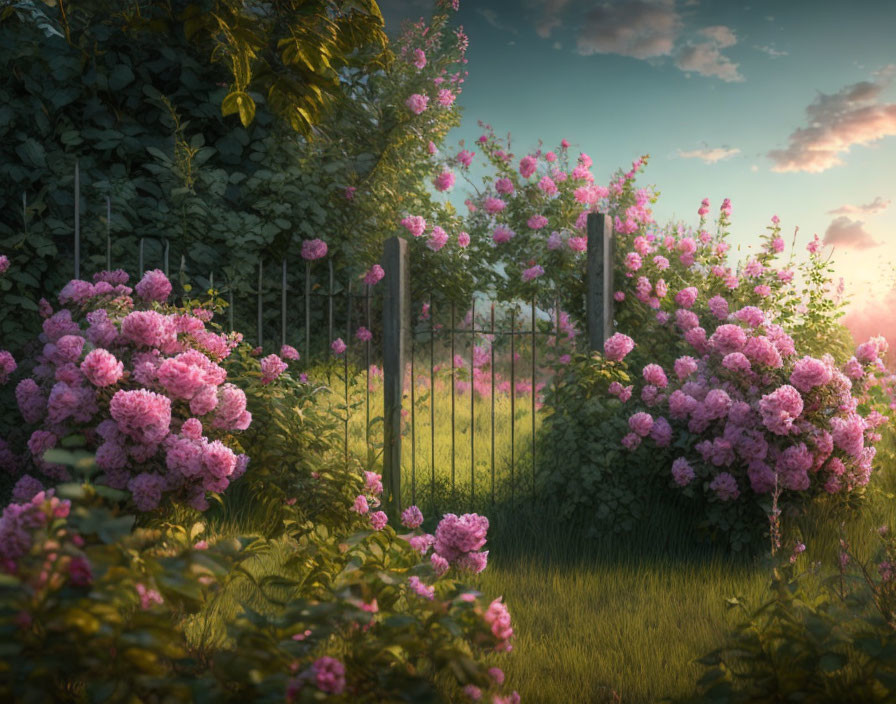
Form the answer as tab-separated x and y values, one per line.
763	416
135	383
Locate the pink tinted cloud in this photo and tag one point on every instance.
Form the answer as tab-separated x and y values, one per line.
707	60
848	233
837	122
878	205
550	17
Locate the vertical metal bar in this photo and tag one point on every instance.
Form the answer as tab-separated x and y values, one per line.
211	280
348	342
25	212
167	249
77	220
140	261
413	426
492	365
599	300
367	365
533	398
330	304
260	319
512	401
453	370
307	309
432	401
472	405
109	234
230	308
283	307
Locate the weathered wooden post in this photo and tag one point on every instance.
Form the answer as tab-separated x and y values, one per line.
599	295
396	315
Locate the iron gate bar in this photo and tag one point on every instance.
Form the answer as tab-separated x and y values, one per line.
512	404
492	365
472	403
167	247
348	341
307	310
413	425
78	220
231	307
533	398
330	306
109	235
283	306
453	324
140	260
432	402
260	310
367	365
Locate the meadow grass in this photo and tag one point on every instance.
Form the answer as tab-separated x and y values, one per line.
618	618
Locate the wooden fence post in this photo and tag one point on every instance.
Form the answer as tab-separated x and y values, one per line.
599	295
396	315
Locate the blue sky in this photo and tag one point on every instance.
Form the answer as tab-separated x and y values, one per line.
787	108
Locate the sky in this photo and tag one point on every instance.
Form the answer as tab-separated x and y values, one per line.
787	108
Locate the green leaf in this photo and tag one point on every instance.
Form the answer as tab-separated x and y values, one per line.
120	76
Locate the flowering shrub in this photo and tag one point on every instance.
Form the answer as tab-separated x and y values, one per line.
751	415
142	381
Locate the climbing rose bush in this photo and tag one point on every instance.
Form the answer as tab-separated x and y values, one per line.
141	380
755	417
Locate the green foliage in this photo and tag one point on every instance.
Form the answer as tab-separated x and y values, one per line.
135	96
342	589
591	478
811	640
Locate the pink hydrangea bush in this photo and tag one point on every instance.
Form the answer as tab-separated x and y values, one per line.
759	417
142	381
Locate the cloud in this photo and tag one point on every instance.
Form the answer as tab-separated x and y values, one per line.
641	29
848	233
721	35
491	17
709	156
707	60
754	168
837	122
878	205
550	17
771	51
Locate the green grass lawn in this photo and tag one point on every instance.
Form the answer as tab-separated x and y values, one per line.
618	618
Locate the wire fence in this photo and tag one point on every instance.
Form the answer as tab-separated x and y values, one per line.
402	345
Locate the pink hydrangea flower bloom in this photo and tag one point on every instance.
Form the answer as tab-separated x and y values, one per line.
102	368
289	352
154	286
504	186
528	164
686	297
415	224
329	675
421	589
502	234
378	520
271	368
417	103
444	181
7	366
314	249
363	334
374	275
533	272
618	346
725	487
338	346
463	239
412	517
